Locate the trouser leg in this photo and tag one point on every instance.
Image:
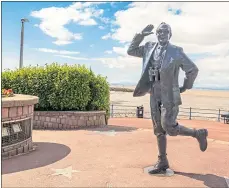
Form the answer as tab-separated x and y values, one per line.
162	145
155	107
160	133
170	124
158	130
172	128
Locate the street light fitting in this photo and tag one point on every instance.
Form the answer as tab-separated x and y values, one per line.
24	20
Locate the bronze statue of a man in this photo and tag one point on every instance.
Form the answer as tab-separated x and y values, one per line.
161	64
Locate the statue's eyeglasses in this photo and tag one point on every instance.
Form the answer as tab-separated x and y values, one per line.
163	31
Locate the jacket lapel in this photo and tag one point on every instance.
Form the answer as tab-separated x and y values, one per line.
167	57
148	56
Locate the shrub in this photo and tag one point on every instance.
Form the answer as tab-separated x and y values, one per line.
60	87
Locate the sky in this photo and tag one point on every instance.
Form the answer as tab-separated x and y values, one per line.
97	34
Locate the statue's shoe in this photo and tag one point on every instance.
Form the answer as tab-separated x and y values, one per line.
160	167
201	136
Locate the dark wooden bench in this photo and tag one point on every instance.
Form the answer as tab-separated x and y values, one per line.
225	118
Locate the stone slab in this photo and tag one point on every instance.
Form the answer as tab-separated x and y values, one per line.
169	172
19	100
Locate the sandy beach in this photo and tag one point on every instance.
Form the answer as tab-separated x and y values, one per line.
196	99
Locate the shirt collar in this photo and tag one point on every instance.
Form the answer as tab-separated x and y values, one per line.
162	47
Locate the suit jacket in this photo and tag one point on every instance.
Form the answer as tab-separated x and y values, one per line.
174	59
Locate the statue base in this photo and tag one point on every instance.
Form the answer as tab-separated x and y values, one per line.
167	173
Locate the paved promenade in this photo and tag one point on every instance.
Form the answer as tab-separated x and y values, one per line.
115	156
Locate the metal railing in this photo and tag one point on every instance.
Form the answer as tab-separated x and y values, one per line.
184	112
122	111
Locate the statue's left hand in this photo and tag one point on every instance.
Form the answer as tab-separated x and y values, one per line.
182	89
147	30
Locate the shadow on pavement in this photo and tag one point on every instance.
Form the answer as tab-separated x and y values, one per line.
210	180
115	128
46	153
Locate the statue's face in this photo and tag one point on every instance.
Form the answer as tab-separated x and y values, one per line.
163	34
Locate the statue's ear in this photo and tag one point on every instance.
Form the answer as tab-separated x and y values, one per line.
170	35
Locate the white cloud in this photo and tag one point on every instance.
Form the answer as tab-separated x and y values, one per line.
72	57
113	4
47	50
79	5
121	62
107	36
10	62
213	71
105	20
108	52
88	22
62	42
54	20
217	49
101	27
120	51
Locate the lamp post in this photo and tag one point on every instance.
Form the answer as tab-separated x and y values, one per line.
23	20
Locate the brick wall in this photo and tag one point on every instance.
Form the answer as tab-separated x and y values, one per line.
16	113
11	115
68	120
17	149
15	110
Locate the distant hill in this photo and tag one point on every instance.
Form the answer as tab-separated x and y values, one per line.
123	89
212	88
123	84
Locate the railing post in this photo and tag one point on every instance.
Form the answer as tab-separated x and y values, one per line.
190	113
219	115
112	110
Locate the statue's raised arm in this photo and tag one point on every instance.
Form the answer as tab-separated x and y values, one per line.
134	48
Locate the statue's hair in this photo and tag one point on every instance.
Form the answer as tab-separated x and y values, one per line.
163	23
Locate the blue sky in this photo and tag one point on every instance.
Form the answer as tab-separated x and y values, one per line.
98	35
35	38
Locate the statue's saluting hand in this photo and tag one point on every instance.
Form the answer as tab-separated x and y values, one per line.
147	31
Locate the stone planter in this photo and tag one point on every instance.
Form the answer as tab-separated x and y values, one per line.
64	120
17	124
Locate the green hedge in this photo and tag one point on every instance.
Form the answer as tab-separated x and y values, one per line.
60	87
